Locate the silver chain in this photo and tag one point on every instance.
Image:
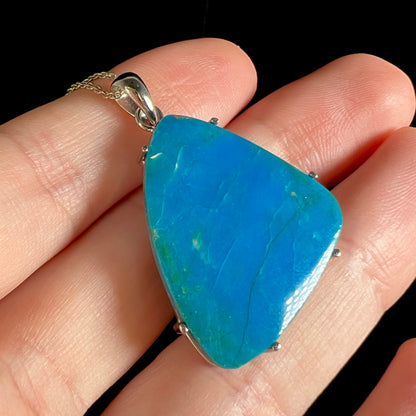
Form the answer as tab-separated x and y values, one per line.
90	85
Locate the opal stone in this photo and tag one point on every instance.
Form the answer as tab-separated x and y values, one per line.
240	236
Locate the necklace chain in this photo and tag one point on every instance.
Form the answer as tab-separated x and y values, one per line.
89	84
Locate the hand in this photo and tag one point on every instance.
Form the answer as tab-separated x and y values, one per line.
81	297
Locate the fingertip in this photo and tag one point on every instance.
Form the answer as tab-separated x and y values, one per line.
406	358
386	85
395	392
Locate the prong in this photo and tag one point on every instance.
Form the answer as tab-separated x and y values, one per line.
180	328
214	120
313	175
145	150
336	252
276	346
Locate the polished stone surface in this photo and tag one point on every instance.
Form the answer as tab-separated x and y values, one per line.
240	236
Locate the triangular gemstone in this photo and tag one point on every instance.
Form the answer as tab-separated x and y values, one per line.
240	236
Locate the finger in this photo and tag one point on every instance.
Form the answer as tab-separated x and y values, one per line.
330	121
63	164
395	393
379	207
75	327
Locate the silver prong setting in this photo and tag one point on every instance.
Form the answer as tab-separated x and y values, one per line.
180	328
276	346
145	151
214	121
336	252
183	329
313	175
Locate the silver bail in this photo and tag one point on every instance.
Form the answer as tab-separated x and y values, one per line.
136	100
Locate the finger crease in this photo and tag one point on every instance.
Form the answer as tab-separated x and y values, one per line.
56	176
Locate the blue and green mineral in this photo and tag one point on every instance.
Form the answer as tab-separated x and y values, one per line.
240	236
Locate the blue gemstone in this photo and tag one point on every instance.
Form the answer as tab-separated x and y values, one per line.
240	237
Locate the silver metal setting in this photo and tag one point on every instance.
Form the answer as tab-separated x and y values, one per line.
180	328
336	252
214	120
313	175
136	100
145	151
276	346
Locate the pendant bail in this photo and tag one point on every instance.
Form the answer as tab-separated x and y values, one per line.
136	100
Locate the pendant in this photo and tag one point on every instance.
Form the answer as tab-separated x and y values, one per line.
240	237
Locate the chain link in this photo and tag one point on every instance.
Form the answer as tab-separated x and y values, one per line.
89	84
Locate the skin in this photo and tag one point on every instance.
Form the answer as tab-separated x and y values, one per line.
81	299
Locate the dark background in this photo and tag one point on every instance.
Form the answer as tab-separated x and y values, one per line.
44	50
